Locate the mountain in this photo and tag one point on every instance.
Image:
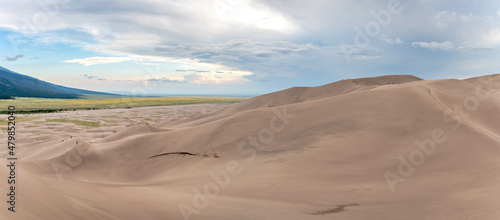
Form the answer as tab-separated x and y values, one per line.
14	84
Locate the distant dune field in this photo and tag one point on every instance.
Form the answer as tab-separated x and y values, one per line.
389	147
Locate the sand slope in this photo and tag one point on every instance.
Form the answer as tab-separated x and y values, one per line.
301	153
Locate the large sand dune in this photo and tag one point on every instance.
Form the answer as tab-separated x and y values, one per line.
391	147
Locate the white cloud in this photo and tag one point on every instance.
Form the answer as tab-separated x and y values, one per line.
365	57
193	78
261	38
474	48
198	78
447	45
205	73
246	13
143	60
98	60
444	18
391	41
358	52
492	37
164	80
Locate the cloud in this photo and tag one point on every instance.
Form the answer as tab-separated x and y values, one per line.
185	70
93	77
364	57
444	18
34	58
142	60
236	50
194	64
358	52
98	60
150	64
446	46
199	78
475	48
213	79
165	80
10	59
261	39
234	56
89	77
491	37
391	41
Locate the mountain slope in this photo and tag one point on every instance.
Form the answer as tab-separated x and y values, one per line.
13	84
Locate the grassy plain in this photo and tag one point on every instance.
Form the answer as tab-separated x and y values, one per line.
41	105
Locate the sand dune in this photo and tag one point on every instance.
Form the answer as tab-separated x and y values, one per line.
390	147
139	129
302	94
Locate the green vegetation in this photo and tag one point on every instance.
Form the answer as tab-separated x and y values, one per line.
43	105
84	123
20	119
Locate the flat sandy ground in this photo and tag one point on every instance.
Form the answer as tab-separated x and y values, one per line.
380	148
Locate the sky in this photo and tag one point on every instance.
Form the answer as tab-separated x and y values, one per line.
244	46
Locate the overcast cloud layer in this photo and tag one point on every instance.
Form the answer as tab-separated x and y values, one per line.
246	46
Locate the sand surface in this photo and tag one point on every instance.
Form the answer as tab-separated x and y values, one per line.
393	147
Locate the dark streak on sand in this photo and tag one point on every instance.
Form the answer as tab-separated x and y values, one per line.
339	208
178	153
